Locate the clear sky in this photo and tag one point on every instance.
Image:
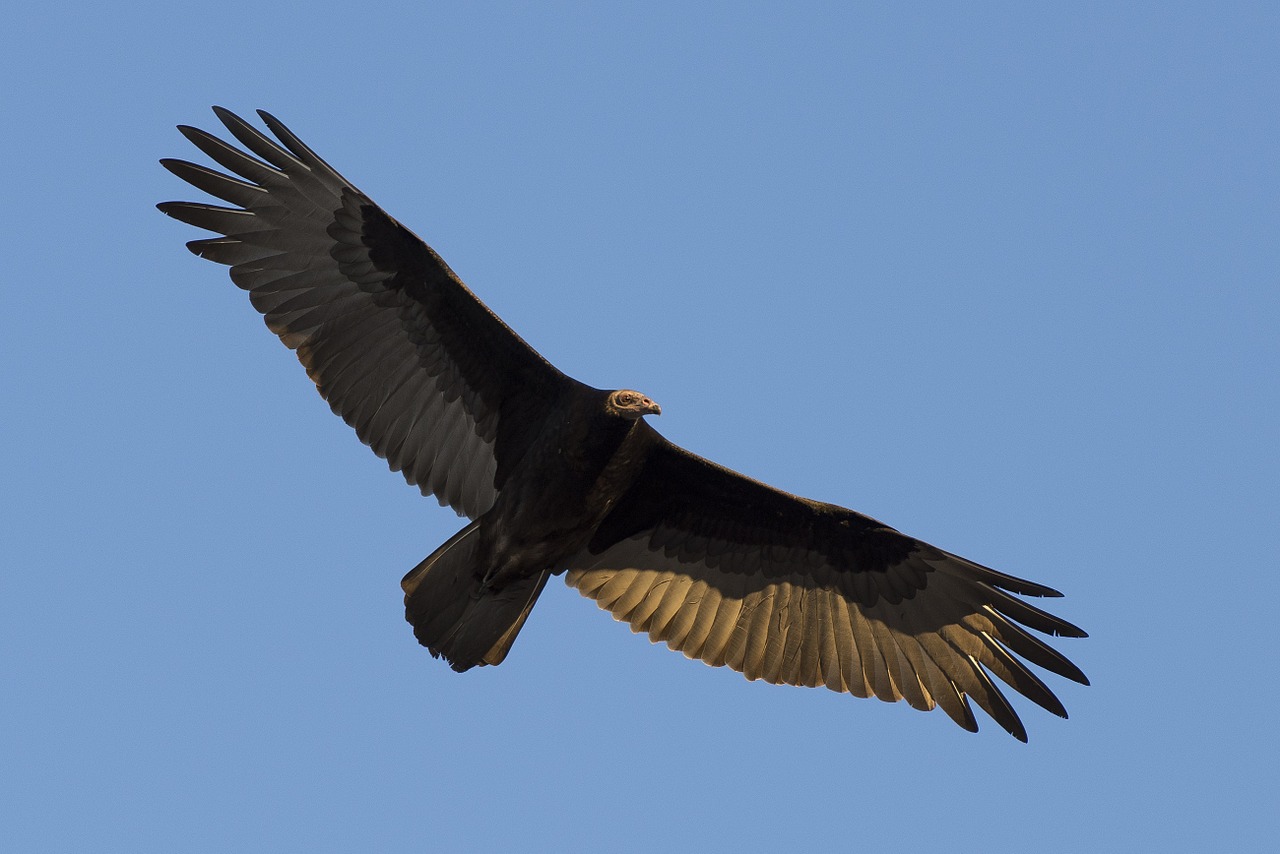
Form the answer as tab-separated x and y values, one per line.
1005	276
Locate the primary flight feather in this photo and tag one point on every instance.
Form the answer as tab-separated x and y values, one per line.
561	478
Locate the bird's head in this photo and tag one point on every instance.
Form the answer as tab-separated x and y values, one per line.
626	403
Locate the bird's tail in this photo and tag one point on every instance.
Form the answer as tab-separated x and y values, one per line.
454	616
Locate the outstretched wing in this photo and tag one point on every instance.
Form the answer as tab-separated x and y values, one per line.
780	588
429	378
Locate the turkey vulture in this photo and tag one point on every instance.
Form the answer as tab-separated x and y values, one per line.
561	478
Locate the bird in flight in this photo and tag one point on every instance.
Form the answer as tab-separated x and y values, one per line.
559	478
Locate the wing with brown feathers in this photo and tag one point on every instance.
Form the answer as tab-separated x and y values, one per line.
395	342
733	572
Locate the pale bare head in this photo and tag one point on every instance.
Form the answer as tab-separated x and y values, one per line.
628	403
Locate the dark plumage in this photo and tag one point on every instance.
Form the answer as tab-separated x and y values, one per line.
561	478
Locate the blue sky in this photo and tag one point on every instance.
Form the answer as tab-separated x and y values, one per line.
1003	275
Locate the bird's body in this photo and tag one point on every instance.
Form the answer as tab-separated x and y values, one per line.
561	478
558	493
